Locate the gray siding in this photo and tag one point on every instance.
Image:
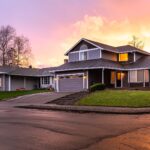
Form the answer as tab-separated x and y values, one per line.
138	56
28	83
73	57
17	83
94	54
131	57
78	46
31	83
109	55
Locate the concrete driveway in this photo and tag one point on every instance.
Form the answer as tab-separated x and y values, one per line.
39	98
27	129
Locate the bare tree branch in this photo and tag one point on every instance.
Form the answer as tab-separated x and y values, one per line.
136	42
7	35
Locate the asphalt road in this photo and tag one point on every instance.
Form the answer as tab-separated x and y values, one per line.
25	129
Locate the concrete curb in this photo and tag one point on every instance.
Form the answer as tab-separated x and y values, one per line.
88	109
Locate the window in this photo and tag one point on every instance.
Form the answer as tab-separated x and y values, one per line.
146	75
0	82
133	76
83	55
123	57
138	76
113	77
45	80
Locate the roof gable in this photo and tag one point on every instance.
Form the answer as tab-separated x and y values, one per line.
81	42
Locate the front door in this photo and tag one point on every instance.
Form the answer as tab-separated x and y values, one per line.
118	80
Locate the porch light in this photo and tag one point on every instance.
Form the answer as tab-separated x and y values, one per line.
84	77
55	79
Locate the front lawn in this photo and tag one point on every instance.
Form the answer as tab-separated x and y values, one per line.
13	94
123	98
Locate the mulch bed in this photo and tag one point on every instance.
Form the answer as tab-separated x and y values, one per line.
69	99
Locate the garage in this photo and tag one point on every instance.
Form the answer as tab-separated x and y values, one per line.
71	83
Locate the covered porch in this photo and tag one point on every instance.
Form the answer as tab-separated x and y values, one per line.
111	78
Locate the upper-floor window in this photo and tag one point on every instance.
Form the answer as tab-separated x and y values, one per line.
123	57
83	55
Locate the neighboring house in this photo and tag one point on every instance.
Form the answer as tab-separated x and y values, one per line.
15	78
89	62
93	62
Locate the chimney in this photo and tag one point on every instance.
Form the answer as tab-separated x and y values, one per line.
30	66
65	61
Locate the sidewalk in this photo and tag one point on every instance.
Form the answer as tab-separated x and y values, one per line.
88	109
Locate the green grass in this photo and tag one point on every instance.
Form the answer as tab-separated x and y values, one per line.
13	94
123	98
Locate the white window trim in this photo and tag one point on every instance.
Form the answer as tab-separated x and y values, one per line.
100	55
0	82
9	83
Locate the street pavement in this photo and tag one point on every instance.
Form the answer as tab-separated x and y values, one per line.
27	129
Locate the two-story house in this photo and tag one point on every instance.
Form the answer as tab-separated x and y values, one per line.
92	62
89	62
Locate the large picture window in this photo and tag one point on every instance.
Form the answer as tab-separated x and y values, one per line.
138	76
123	57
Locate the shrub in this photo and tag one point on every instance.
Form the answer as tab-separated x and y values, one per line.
97	86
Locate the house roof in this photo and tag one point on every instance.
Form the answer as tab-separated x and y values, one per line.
25	71
118	49
129	48
89	64
142	63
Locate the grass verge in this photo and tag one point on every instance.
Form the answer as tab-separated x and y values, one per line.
13	94
122	98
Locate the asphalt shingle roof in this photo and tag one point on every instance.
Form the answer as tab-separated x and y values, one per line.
143	62
25	71
88	64
119	49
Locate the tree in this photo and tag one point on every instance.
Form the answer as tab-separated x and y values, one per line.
136	42
14	50
21	52
7	35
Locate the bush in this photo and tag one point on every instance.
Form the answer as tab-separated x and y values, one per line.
97	86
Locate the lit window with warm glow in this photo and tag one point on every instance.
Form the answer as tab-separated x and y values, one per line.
113	74
123	57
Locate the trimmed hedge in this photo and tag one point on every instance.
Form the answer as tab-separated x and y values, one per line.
97	87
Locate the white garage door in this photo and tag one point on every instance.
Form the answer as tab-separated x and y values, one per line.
72	83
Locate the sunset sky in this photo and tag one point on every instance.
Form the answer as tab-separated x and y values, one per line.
53	26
